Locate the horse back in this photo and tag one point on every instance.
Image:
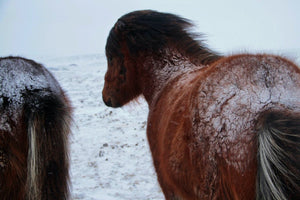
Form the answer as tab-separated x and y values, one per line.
205	144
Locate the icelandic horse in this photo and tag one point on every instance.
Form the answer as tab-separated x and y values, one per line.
219	127
35	119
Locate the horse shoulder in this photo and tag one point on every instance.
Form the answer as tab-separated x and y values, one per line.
169	132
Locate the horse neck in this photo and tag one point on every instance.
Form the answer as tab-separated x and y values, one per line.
159	70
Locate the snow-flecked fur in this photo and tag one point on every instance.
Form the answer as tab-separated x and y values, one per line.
34	130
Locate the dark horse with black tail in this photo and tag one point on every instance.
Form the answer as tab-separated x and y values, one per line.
34	127
218	127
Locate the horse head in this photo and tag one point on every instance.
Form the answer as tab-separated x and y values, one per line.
139	35
120	85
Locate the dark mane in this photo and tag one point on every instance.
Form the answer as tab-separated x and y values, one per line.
148	30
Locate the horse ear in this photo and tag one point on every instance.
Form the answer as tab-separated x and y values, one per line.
119	26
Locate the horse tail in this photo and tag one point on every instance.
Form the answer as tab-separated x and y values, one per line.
279	156
48	118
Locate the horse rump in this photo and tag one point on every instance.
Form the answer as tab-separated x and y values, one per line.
48	118
35	121
279	156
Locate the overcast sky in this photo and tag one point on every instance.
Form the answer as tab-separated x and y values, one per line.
75	27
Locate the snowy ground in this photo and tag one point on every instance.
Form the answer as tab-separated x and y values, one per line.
110	157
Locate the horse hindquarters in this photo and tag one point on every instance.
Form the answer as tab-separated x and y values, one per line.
278	157
48	123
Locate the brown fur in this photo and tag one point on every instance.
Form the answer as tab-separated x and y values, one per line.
204	117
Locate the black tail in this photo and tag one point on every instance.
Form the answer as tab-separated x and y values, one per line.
279	156
48	117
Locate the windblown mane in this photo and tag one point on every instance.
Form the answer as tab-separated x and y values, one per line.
151	31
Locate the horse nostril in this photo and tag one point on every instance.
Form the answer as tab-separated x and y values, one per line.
108	102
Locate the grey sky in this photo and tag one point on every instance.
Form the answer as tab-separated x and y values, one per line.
74	27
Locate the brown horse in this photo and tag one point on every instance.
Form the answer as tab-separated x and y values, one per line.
218	127
34	127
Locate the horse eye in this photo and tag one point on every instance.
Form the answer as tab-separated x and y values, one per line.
109	59
123	70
